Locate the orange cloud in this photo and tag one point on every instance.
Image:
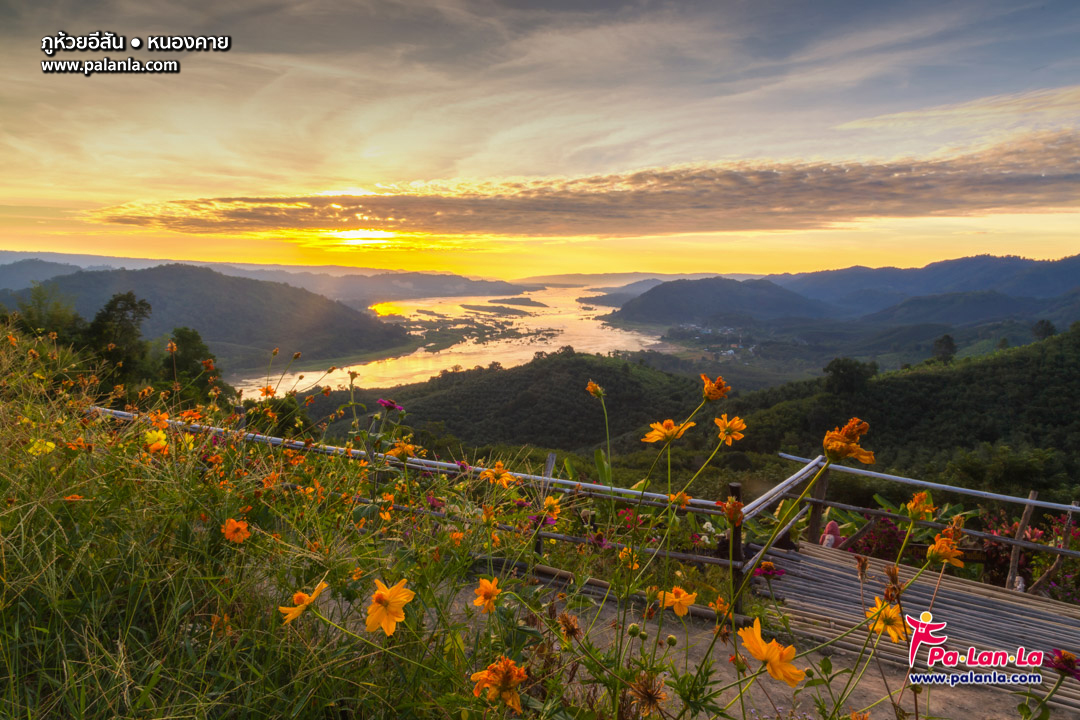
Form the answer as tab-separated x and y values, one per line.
1034	172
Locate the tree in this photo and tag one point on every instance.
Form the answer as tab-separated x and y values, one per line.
846	376
945	348
45	310
116	335
190	369
1043	329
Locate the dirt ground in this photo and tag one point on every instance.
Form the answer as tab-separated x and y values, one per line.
961	703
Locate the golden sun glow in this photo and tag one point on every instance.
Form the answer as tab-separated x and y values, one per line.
388	308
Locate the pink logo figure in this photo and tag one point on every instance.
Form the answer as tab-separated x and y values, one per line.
922	633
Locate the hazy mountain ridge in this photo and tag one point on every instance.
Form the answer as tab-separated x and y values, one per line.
241	319
862	289
362	291
23	273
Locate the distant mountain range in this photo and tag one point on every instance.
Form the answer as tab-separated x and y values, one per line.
589	279
241	319
860	290
357	287
363	291
960	292
24	273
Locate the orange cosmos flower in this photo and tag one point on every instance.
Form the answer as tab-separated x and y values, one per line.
840	444
678	599
498	474
160	420
235	530
627	556
486	593
595	390
681	498
301	600
944	551
919	508
387	607
171	347
730	430
403	450
666	431
267	391
456	537
501	679
776	656
73	498
714	390
357	573
733	511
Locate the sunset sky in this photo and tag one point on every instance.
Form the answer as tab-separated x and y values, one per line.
515	138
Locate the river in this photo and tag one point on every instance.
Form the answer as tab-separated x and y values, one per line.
570	323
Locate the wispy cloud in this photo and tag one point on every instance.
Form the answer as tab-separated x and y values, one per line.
1038	171
1055	106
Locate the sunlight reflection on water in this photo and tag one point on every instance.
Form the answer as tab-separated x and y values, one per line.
569	322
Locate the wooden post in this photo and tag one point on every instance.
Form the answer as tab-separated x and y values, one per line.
813	529
735	544
1014	558
549	471
855	537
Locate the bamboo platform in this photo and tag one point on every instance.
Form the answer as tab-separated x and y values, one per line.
821	594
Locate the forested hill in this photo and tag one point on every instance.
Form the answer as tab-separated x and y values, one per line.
712	299
1009	421
542	403
1015	414
241	320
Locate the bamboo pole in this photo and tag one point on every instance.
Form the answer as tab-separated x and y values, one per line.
1014	558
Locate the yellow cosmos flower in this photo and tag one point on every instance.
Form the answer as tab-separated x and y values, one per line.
678	599
301	600
41	447
629	558
944	551
387	607
844	443
666	431
501	679
730	430
887	618
486	594
156	441
777	658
